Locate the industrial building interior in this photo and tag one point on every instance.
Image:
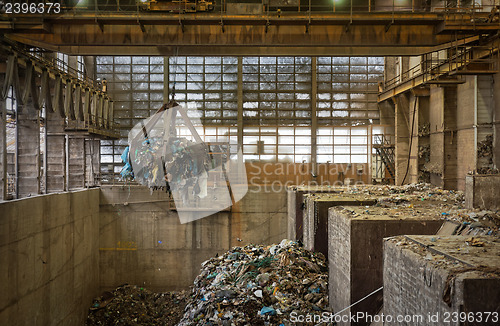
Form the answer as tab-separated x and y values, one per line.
253	162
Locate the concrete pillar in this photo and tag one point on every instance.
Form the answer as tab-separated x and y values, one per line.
3	149
92	162
412	176
76	162
402	138
56	153
387	113
466	133
496	118
436	121
240	102
443	142
422	134
450	138
28	151
314	118
389	69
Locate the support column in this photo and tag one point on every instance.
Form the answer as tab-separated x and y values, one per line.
436	122
28	152
496	118
3	150
402	138
56	153
389	69
76	162
450	138
314	118
466	136
92	162
419	107
240	102
423	137
413	119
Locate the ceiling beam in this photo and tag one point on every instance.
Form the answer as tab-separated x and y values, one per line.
212	34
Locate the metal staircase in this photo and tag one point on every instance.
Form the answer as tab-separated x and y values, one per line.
385	150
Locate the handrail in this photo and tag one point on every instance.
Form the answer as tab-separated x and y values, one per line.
432	68
305	7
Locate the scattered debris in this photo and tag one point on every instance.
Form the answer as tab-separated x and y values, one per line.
257	285
485	147
425	199
433	167
474	242
486	170
133	305
424	129
424	152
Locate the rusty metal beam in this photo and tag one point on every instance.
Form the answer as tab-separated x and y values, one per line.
149	18
232	50
213	34
90	40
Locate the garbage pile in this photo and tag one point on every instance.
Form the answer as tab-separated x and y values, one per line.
257	285
408	193
423	198
133	305
424	152
424	130
486	170
485	147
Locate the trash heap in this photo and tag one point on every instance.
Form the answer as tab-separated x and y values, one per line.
485	147
133	305
257	285
449	204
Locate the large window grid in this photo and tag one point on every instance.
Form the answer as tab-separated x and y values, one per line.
136	84
277	143
276	98
343	144
277	90
211	82
137	88
347	89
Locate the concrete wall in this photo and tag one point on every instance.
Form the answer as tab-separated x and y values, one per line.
316	217
143	242
355	256
415	284
481	191
49	258
460	116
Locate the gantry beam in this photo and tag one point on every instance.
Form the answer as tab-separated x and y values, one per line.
214	34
